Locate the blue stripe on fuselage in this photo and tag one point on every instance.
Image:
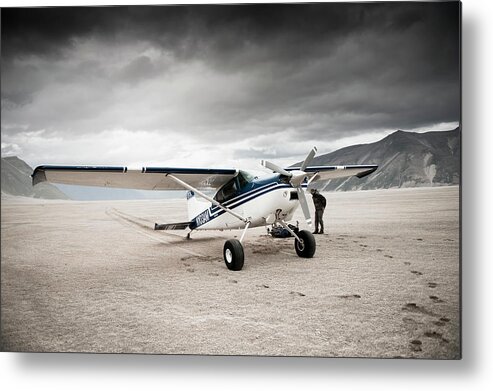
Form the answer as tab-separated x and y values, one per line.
231	203
252	187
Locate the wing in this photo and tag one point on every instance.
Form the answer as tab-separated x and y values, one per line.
147	178
324	173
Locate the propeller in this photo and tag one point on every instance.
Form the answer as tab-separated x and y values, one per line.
296	179
308	159
304	205
276	168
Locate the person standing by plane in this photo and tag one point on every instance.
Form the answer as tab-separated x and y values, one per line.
320	202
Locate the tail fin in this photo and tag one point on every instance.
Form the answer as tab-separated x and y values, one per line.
195	205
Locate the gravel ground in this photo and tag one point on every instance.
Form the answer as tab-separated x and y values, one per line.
95	277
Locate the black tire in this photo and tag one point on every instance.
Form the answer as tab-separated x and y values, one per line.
305	248
233	254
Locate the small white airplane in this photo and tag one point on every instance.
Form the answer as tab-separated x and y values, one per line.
241	201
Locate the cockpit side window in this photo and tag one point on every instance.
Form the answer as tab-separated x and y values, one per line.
228	191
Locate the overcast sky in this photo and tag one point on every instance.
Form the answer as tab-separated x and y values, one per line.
223	85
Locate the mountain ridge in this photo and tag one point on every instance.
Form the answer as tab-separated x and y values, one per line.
405	159
16	181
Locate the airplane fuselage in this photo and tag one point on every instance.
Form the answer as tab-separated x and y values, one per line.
261	201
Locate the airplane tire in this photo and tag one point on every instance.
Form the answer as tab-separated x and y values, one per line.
234	256
305	248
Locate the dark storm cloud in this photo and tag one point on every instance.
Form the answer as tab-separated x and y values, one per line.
288	29
322	70
138	69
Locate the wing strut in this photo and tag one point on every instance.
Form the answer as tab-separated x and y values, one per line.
210	199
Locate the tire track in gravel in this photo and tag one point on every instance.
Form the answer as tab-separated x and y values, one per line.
145	230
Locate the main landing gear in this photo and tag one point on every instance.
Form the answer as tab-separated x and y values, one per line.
234	255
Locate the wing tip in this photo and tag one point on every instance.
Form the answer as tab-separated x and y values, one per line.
38	175
367	172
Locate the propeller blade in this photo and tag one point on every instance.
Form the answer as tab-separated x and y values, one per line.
276	168
304	205
308	159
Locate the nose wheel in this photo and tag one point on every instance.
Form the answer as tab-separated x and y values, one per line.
305	244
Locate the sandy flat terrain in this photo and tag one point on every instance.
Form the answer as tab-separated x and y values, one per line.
95	277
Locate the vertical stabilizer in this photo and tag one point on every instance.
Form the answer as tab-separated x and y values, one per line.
195	205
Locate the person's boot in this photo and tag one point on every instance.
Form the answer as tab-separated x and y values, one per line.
321	232
315	232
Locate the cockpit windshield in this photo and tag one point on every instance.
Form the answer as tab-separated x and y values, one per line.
244	178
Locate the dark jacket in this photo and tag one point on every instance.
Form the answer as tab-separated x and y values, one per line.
319	201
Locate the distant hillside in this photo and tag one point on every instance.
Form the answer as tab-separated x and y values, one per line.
405	159
16	180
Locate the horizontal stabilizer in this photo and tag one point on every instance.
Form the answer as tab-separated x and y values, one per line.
171	226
